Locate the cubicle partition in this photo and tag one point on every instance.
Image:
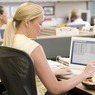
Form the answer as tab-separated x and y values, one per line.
57	46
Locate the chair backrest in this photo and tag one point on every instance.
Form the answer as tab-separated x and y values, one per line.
17	72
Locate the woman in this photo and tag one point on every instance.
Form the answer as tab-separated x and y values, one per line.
26	24
3	16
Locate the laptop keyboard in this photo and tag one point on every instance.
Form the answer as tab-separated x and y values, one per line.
76	71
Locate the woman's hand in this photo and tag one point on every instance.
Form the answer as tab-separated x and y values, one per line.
90	69
61	71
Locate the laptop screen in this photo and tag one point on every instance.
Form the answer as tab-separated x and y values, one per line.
82	50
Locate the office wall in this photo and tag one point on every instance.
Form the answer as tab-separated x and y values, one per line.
92	7
61	8
10	7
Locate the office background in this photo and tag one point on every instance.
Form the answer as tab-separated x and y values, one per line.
62	8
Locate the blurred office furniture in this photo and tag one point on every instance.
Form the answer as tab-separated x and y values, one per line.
76	25
1	33
92	21
85	15
17	72
55	46
47	31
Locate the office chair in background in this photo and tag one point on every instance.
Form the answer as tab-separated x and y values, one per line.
17	72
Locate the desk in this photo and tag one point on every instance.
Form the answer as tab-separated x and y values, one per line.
79	89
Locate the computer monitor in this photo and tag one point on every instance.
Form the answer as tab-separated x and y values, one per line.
92	21
85	15
82	50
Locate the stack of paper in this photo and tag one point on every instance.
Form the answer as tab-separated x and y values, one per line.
55	64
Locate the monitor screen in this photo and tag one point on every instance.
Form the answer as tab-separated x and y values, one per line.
82	52
85	15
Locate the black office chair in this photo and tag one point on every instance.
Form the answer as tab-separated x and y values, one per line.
17	72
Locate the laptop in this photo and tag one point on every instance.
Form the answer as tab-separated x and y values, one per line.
82	51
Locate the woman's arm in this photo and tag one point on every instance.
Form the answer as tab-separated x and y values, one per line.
48	78
61	71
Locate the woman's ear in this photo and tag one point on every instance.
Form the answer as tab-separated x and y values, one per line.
27	22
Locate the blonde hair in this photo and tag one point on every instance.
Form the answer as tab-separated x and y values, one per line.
75	13
25	11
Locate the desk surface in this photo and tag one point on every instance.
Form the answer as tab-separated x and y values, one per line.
80	86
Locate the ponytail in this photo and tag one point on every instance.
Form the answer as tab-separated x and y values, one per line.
9	34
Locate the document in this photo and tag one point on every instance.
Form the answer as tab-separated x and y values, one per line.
55	64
